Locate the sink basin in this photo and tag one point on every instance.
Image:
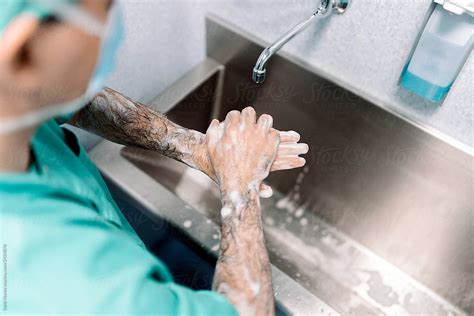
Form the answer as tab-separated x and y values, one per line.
380	221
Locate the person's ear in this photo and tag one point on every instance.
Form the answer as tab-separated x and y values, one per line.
15	39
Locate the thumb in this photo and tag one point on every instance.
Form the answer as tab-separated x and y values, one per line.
212	133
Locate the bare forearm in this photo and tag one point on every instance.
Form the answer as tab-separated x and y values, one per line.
124	121
243	269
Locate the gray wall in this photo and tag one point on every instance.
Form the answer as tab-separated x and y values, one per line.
364	50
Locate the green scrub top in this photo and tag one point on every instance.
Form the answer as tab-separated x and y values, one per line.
67	248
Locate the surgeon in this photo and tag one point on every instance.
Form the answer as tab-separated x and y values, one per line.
67	248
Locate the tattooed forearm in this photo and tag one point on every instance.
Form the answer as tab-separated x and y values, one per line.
127	122
238	154
243	268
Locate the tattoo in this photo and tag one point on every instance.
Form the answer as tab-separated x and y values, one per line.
127	122
243	269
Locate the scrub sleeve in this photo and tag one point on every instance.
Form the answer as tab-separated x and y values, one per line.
68	248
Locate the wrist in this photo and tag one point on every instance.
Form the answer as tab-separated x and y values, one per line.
200	157
232	185
190	147
240	203
236	186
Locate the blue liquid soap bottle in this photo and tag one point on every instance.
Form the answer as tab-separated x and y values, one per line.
442	50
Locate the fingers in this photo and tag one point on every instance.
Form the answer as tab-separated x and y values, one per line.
221	129
265	123
232	119
213	127
289	137
288	152
289	145
265	191
287	162
212	133
247	119
231	125
275	136
248	116
292	149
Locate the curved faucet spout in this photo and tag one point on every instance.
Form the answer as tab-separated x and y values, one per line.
258	75
325	8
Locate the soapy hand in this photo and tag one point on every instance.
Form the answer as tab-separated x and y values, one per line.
128	122
243	126
242	151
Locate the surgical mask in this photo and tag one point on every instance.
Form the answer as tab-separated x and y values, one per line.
111	33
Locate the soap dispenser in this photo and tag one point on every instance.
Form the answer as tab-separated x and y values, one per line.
441	51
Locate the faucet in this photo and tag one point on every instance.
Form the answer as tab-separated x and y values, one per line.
325	8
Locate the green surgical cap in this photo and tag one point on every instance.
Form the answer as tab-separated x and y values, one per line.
10	9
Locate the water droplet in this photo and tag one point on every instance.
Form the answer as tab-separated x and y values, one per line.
269	221
300	177
299	212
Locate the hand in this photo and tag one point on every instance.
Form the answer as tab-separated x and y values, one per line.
241	151
287	155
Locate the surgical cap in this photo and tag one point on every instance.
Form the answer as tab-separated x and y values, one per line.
10	9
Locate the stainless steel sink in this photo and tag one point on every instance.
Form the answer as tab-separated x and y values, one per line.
381	219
